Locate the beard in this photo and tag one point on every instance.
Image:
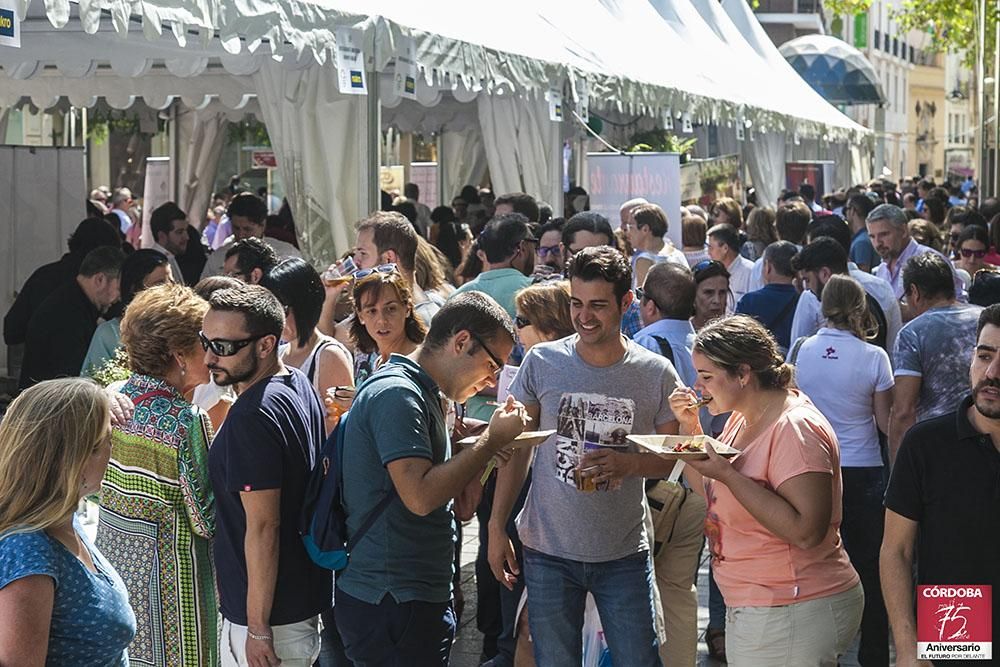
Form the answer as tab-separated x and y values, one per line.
983	409
241	373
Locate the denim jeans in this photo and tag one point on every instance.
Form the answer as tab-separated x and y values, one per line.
395	634
331	648
716	604
622	590
861	529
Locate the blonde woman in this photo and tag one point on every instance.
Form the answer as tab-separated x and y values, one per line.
850	381
774	511
62	603
157	506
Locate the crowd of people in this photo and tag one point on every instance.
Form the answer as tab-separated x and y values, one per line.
845	351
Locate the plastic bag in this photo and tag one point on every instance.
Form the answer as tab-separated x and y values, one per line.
595	647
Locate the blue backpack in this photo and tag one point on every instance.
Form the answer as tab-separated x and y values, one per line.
323	520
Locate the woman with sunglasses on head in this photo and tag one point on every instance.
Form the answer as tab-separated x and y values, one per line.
971	247
324	360
61	601
157	506
712	293
774	511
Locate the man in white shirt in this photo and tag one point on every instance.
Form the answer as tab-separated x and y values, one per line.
412	192
724	246
809	313
248	214
120	202
168	224
890	234
664	246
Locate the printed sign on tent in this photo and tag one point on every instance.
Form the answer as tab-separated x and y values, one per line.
405	78
555	105
686	126
583	100
668	119
740	129
10	28
350	63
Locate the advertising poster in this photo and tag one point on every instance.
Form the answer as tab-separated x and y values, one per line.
615	178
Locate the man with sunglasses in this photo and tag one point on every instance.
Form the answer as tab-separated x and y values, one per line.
394	598
583	523
271	592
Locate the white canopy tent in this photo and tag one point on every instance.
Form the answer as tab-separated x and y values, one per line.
483	83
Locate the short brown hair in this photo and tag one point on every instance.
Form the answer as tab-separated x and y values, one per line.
375	284
731	207
694	230
546	306
392	231
760	225
652	216
161	320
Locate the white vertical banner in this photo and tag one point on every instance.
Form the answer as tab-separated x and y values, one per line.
740	128
405	77
555	105
583	100
668	119
686	126
350	63
10	27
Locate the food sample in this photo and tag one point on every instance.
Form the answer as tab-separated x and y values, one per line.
689	446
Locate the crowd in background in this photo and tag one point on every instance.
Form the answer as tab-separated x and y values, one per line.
840	344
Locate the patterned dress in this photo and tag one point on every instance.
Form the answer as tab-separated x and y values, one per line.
156	524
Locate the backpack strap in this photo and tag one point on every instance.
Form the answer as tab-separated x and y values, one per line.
156	393
795	350
373	515
665	348
783	315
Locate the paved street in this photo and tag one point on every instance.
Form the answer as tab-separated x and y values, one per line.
469	642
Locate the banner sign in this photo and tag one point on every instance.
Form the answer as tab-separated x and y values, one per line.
350	61
10	28
405	78
614	178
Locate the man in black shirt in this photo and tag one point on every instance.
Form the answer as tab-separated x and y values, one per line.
60	330
91	233
271	594
944	497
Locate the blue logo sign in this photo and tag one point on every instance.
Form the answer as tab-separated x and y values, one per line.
8	23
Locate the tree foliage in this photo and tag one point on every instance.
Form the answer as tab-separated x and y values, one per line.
951	24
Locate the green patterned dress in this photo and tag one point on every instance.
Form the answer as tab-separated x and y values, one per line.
156	524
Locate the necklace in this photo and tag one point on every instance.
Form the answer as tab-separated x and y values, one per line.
749	427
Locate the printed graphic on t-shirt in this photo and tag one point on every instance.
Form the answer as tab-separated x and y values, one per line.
587	422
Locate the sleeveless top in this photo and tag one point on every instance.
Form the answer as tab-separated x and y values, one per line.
310	366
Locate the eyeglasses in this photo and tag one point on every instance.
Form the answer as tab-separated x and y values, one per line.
226	348
641	295
968	252
520	322
546	250
381	268
494	358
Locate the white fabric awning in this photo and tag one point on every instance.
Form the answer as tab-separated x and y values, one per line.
638	56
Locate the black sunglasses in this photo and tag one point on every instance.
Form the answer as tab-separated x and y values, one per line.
494	358
226	348
641	295
705	264
520	322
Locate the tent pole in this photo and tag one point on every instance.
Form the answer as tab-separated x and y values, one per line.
981	97
374	132
996	104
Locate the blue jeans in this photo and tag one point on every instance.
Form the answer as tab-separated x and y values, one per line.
622	589
394	634
716	604
861	530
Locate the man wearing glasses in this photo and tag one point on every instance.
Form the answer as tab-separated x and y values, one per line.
393	600
271	593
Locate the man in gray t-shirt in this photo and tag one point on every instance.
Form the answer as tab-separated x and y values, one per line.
583	521
933	351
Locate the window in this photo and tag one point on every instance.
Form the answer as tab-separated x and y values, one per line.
913	59
885	45
895	46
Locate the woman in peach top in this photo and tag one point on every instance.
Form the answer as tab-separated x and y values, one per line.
774	511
